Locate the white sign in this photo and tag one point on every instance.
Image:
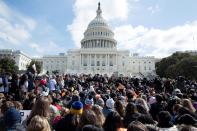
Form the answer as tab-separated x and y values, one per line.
24	114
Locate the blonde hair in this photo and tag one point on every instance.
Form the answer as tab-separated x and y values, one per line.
98	111
38	123
188	104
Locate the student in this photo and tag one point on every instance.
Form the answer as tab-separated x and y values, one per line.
38	123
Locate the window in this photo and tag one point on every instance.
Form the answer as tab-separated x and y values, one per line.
73	62
110	63
98	63
149	68
92	63
103	63
123	63
144	67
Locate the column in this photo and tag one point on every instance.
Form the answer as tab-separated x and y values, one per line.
106	62
90	61
116	60
94	60
81	59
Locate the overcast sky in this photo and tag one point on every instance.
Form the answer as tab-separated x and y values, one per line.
148	27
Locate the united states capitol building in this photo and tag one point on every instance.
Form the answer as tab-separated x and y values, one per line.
98	54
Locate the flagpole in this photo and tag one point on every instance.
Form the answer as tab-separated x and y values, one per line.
194	43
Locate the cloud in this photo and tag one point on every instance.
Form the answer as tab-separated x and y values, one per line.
15	27
85	11
13	34
156	42
45	48
153	9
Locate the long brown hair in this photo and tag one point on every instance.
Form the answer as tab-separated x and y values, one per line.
41	108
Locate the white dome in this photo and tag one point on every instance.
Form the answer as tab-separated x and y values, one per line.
98	34
98	21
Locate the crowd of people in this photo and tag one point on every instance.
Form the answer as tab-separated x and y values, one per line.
97	103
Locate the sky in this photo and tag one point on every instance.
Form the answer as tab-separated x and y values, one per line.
147	27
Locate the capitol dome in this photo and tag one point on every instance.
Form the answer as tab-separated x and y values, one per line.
98	34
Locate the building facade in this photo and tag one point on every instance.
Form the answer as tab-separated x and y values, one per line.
54	63
99	53
20	58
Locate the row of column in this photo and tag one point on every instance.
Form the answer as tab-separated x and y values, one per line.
98	44
88	59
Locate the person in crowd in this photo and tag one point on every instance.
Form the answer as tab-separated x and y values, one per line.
131	114
52	83
5	80
41	108
91	128
113	122
142	102
165	121
98	111
14	86
23	84
29	101
18	106
39	123
157	106
109	107
137	126
86	102
88	117
119	107
188	104
70	122
12	119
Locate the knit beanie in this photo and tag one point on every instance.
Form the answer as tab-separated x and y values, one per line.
110	103
12	116
76	107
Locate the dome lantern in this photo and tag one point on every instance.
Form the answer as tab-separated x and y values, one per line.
99	11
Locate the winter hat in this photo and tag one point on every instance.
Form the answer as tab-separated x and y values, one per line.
43	82
12	116
110	103
76	108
